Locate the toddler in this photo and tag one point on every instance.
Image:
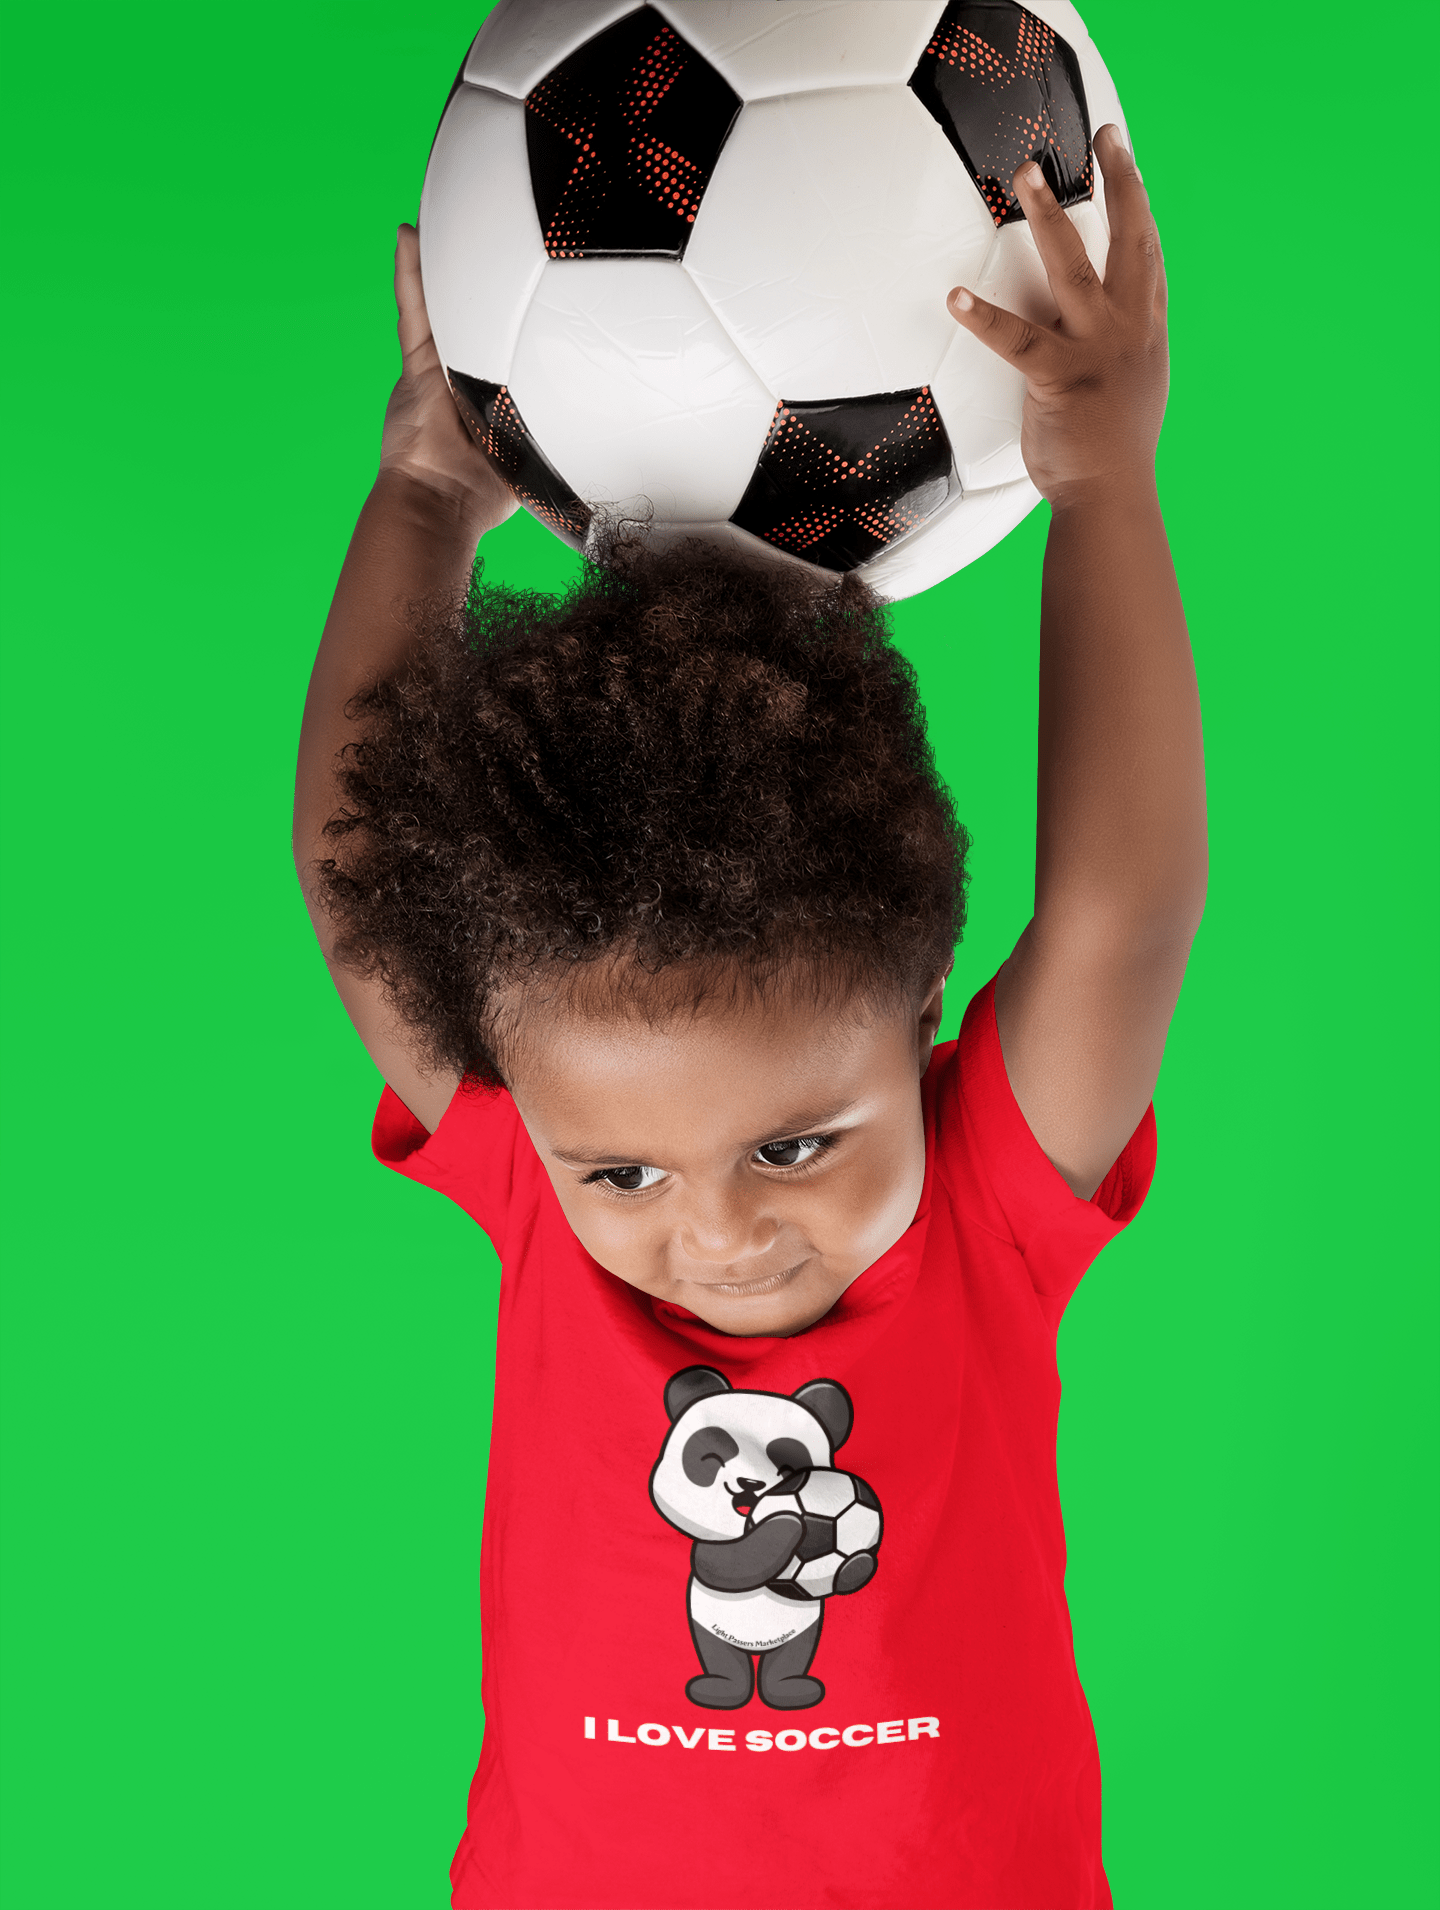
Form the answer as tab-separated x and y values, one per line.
643	902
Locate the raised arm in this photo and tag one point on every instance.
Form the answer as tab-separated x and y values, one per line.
1085	1000
434	498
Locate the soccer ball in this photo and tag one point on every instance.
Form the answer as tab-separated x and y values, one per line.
686	264
841	1527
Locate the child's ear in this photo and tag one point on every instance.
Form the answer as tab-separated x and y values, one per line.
931	1010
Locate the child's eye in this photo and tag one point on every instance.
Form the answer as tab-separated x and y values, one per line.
628	1180
792	1153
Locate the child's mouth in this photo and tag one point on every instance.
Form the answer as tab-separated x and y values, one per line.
752	1289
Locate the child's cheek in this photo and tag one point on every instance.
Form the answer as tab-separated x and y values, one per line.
628	1242
854	1217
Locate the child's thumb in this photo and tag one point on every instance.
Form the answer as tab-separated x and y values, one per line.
409	292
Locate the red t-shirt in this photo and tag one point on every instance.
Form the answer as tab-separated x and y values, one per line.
950	1763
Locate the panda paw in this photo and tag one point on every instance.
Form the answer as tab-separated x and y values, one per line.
746	1563
857	1570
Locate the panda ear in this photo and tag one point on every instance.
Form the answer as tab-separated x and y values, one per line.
830	1403
695	1382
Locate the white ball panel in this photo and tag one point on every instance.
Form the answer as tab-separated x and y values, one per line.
818	1575
774	1502
522	39
635	393
979	398
763	49
481	248
827	1493
1015	276
954	537
834	225
1005	464
858	1529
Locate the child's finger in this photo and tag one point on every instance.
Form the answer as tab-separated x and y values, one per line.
414	324
1074	281
1025	346
1133	267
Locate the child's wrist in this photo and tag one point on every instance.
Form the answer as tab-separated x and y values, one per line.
440	502
1126	489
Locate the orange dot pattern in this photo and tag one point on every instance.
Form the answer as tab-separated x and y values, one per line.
622	139
677	182
1006	88
571	218
493	419
802	533
886	522
837	481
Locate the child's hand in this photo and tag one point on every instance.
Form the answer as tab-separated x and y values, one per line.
1096	379
423	437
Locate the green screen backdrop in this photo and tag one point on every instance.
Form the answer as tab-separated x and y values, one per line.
247	1371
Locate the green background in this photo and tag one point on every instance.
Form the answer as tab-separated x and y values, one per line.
247	1371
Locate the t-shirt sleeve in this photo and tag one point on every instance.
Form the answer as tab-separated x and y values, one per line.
1057	1233
472	1157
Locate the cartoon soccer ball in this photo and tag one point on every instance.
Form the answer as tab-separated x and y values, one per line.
687	262
841	1527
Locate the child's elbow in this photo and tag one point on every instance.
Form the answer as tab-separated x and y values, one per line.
1149	928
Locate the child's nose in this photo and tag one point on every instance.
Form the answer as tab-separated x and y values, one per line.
724	1231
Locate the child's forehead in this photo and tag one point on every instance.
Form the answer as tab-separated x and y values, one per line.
728	1071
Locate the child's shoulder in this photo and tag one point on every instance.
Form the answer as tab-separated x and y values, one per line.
473	1157
997	1176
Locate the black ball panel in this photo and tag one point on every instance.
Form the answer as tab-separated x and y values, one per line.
865	1495
1005	88
839	479
784	1589
622	139
495	424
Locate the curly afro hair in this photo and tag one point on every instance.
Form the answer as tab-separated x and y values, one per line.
688	763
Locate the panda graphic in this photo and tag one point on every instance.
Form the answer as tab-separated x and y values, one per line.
749	1477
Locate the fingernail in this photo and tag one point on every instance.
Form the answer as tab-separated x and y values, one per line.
1034	177
962	300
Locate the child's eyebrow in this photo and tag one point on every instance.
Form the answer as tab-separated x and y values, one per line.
577	1157
806	1121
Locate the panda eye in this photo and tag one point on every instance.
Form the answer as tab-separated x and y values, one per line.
794	1153
626	1180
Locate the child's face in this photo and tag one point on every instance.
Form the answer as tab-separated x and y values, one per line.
746	1163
